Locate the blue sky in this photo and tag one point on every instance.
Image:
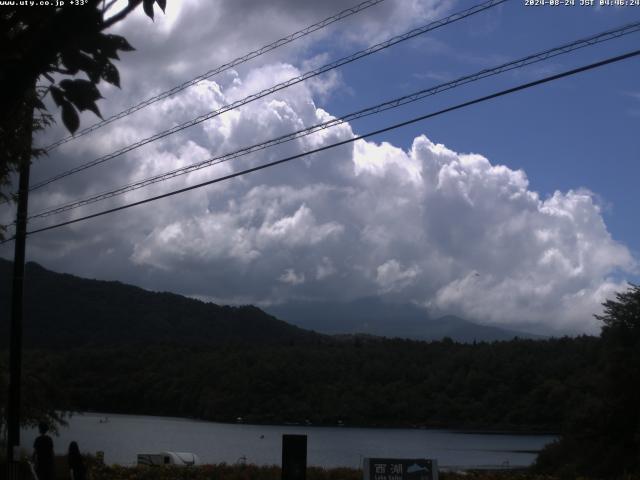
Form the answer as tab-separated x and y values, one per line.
578	132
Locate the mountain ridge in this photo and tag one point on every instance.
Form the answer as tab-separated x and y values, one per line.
375	316
64	311
242	362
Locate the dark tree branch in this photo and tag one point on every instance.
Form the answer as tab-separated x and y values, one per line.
106	8
121	14
60	70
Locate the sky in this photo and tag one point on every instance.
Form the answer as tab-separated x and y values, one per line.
517	212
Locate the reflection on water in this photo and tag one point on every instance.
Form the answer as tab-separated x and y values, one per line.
121	437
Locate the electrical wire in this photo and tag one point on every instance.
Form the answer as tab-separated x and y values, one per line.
343	61
344	142
222	68
390	104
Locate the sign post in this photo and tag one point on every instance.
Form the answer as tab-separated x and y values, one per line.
294	457
400	469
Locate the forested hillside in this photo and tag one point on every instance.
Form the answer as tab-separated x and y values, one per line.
65	311
94	345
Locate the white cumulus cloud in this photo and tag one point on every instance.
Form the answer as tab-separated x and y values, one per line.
450	230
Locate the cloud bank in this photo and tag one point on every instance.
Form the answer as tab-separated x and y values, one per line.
448	230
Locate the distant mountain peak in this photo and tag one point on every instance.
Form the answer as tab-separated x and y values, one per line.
388	318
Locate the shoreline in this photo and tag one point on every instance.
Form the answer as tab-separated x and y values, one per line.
460	430
122	436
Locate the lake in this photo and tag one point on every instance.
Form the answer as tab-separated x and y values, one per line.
124	436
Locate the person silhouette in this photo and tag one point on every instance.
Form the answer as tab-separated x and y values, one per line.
77	468
43	453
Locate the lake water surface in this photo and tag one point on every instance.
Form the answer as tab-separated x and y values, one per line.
124	436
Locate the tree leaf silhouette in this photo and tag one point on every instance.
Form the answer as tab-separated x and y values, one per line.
83	94
148	7
121	43
70	117
110	74
57	95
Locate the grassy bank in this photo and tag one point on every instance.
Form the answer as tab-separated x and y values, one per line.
217	472
253	472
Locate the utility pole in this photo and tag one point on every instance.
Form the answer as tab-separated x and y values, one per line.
17	303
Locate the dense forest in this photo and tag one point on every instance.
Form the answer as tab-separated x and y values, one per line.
516	385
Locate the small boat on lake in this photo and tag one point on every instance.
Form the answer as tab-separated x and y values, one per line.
168	458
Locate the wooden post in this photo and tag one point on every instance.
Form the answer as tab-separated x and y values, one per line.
17	304
17	307
294	457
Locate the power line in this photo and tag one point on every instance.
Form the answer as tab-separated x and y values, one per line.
343	61
390	104
351	140
233	63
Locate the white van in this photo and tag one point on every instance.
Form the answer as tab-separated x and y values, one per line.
168	458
